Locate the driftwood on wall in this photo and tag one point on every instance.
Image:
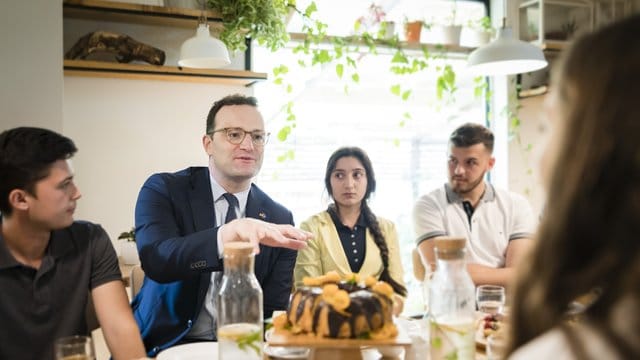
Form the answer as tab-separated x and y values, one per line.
124	47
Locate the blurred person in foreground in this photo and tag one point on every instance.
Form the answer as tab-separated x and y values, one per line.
184	218
348	237
498	224
49	263
588	239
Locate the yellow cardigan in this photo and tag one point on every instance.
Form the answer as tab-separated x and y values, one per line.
325	252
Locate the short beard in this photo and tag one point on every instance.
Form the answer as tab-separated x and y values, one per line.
460	190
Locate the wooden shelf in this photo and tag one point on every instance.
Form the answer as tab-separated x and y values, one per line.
451	50
166	73
99	10
136	13
555	45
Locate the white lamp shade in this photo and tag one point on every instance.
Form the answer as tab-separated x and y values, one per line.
505	56
203	51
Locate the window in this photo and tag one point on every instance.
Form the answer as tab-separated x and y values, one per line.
408	154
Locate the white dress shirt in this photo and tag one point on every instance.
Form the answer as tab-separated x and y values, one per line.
205	325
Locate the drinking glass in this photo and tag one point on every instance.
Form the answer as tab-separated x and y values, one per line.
74	348
496	346
490	299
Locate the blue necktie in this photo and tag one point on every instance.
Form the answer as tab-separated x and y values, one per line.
233	205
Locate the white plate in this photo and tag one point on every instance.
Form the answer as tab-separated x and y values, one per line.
284	352
194	351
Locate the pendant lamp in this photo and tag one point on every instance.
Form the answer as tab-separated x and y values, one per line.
506	55
203	51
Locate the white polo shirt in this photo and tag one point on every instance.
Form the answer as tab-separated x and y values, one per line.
501	216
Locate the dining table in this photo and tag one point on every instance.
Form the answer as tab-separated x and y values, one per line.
413	328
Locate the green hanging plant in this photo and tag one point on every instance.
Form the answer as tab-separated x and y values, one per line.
261	20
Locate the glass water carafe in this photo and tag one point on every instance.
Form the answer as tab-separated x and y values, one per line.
239	306
451	303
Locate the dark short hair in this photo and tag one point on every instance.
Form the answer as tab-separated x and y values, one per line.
26	156
471	134
357	153
235	99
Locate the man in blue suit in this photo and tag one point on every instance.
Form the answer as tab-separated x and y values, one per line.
180	231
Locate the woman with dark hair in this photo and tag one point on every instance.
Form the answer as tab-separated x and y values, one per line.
349	238
588	240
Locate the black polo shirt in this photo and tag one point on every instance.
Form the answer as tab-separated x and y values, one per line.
39	306
353	240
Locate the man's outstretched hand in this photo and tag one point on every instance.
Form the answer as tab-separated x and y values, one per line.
260	232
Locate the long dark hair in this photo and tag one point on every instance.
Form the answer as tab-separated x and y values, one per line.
369	216
588	238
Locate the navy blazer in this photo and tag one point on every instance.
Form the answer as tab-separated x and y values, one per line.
176	235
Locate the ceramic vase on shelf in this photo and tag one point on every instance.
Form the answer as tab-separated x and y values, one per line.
450	34
412	31
388	29
477	38
129	252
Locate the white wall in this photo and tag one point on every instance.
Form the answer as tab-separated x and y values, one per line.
126	130
31	64
524	163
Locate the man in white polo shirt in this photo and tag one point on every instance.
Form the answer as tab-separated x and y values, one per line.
497	224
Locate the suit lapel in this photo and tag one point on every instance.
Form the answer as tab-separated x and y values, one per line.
201	200
256	210
334	247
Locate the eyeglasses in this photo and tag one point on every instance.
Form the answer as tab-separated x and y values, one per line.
236	136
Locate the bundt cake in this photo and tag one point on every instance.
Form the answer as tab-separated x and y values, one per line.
328	306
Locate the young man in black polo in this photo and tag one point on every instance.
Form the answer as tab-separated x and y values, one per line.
49	263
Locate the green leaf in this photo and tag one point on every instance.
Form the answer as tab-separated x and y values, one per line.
284	133
355	77
395	89
250	340
310	9
399	57
339	70
453	355
406	94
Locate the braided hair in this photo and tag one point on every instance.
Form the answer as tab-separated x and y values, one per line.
369	216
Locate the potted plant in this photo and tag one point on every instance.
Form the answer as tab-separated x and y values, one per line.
375	23
128	249
449	31
412	30
263	21
480	31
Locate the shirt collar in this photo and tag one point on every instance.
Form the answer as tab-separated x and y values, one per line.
58	246
336	219
488	195
217	190
6	259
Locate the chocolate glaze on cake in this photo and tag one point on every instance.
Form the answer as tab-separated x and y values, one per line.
367	312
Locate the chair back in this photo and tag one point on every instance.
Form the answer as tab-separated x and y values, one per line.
136	280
